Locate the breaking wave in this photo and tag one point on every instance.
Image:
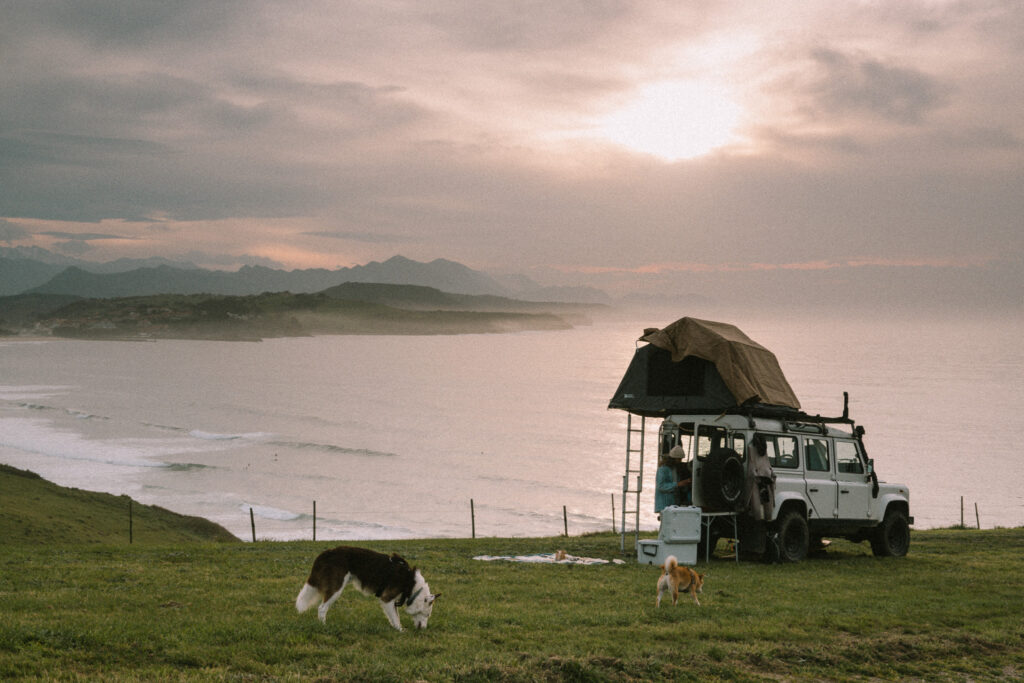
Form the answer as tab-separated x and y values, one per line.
31	391
185	466
35	406
212	436
82	415
330	448
267	512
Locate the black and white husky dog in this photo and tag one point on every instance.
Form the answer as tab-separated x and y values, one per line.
391	579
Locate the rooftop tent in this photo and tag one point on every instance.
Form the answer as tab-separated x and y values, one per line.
701	366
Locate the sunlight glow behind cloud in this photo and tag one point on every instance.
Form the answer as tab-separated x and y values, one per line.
674	120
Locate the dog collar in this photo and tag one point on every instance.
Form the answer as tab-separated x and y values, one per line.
403	600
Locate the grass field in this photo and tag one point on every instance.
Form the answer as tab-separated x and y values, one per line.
951	610
78	602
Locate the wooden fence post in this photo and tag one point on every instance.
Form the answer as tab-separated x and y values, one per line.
314	521
565	521
472	516
252	523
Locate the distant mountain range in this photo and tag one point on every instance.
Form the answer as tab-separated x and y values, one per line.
158	299
37	271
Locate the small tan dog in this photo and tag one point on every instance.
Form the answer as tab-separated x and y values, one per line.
676	578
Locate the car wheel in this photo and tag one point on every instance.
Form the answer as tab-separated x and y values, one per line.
722	479
794	537
892	536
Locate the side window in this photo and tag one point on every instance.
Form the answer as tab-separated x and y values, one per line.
781	450
787	452
848	458
817	455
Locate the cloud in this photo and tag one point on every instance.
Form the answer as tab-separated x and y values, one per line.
370	237
526	26
846	84
11	232
78	243
132	23
344	132
82	236
205	259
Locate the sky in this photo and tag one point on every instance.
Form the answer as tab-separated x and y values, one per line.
862	152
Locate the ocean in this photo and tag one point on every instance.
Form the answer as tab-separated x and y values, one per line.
394	436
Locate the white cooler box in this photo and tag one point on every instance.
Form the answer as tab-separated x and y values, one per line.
679	535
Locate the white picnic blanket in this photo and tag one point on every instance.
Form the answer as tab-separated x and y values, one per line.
547	558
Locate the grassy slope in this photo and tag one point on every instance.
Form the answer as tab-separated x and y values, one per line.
201	611
35	511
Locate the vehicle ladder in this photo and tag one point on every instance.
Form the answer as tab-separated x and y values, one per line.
633	479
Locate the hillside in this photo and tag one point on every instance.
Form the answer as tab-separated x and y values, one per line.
21	311
421	298
35	511
283	314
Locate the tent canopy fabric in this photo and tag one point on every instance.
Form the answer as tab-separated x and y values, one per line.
694	365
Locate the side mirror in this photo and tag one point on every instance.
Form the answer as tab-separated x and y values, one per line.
871	466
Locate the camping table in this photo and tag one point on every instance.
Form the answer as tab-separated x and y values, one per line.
707	519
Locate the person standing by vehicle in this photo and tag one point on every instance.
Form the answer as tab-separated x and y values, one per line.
684	494
667	484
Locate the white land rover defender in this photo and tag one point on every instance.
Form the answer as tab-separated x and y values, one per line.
791	483
788	479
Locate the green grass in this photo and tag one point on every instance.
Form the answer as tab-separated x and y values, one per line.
35	511
77	601
951	610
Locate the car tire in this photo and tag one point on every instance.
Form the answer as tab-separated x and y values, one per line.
892	536
793	537
722	480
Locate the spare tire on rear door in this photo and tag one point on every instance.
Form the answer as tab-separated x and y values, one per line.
722	479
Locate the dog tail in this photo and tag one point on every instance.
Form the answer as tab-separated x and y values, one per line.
307	597
671	563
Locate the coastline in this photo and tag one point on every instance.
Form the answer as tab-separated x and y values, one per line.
211	429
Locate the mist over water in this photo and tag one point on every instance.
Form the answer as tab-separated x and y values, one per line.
392	436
